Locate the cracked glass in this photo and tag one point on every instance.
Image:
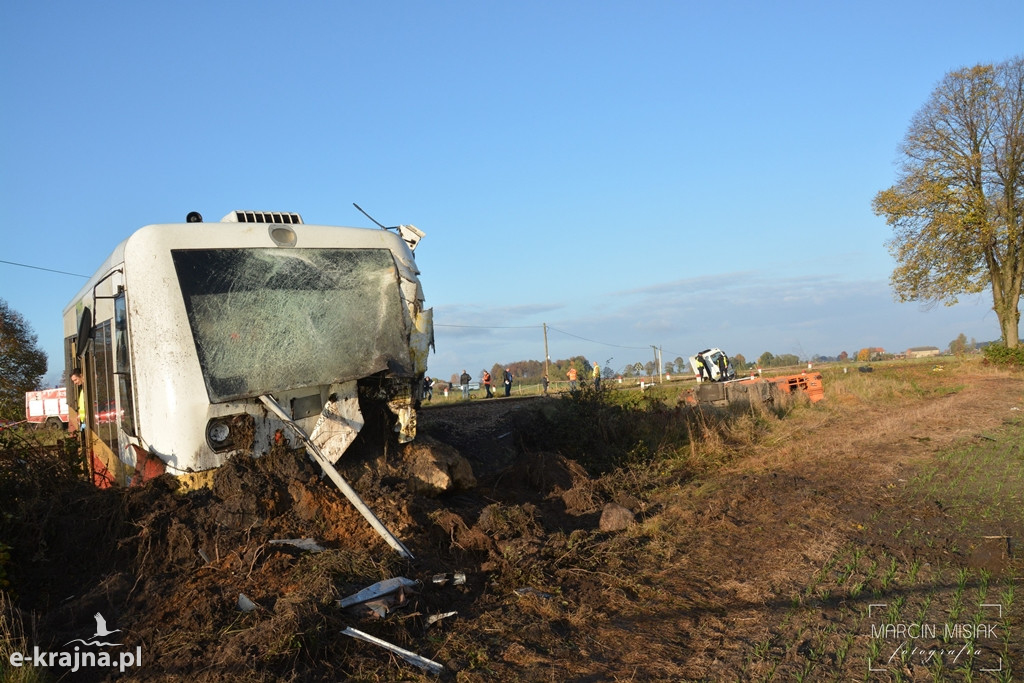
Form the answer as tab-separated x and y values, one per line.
267	320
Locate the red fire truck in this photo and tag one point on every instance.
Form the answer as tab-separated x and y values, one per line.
48	407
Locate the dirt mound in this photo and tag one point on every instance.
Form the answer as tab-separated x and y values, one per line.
168	567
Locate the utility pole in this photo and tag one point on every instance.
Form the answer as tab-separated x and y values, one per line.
546	357
657	364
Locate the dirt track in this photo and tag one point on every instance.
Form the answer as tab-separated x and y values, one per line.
759	563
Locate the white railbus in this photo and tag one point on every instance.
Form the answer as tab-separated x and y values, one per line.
185	326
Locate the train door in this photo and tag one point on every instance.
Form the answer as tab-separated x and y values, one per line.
94	353
103	418
124	398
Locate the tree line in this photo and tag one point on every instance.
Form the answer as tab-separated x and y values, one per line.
22	363
532	371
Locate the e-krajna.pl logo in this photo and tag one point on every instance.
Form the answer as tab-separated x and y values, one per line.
79	657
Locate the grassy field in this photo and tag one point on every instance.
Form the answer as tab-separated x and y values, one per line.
873	536
925	586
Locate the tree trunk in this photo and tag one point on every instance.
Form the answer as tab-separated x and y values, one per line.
1010	331
1009	320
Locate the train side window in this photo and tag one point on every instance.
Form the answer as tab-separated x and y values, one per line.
84	331
122	366
103	418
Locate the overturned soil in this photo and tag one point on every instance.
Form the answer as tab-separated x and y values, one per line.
773	559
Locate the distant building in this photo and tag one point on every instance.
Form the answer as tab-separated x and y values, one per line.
923	352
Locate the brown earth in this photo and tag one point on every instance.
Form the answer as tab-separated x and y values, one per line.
766	549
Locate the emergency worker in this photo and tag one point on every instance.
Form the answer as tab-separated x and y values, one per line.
78	424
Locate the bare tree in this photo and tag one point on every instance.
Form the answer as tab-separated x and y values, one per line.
957	208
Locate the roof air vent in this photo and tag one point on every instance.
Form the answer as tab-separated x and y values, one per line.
262	217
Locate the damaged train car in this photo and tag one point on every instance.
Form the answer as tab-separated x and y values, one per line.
188	331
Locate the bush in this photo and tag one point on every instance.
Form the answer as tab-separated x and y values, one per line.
1000	354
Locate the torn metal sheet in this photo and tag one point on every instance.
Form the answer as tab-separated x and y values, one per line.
411	234
339	423
406	414
377	590
300	543
434	618
411	657
422	339
533	591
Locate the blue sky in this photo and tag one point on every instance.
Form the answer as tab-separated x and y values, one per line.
677	174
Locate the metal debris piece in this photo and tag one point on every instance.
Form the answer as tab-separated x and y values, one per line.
411	657
533	591
339	423
245	604
377	590
301	543
434	618
325	464
379	608
456	579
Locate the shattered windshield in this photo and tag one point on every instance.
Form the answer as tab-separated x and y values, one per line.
267	320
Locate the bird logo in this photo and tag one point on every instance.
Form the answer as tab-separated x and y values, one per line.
101	627
101	632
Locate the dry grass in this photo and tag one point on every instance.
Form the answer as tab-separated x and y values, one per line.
14	638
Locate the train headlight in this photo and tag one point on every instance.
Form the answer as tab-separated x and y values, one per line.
283	236
218	434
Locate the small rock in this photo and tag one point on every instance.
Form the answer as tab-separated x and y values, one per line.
614	517
433	467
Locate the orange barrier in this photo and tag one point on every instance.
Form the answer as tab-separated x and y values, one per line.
810	384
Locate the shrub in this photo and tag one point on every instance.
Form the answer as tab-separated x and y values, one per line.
1000	354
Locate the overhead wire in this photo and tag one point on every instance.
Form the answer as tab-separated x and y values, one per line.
49	270
553	329
482	327
538	327
593	341
493	327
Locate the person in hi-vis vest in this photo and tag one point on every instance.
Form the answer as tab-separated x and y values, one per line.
79	424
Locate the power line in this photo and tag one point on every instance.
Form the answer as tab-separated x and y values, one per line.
535	327
49	270
493	327
593	341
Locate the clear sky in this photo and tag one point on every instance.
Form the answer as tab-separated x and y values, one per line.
677	174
